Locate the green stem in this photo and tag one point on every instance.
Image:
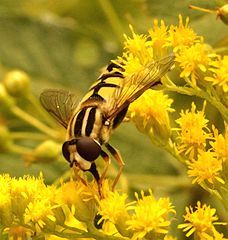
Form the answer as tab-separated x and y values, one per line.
74	229
112	18
19	149
221	49
34	122
28	135
95	234
38	107
143	180
178	165
202	94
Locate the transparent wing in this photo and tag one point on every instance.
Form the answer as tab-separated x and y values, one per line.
136	84
59	103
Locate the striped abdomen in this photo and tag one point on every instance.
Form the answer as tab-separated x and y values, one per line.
89	118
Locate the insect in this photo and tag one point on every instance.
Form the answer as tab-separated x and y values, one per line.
91	122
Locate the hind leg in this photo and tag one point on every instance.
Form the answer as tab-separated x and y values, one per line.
115	153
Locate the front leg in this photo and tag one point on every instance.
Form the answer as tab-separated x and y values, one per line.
115	153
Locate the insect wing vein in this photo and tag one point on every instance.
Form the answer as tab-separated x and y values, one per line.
59	103
134	85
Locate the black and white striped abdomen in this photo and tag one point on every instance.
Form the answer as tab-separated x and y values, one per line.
86	122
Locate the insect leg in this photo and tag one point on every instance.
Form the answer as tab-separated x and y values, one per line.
93	170
107	160
76	170
115	153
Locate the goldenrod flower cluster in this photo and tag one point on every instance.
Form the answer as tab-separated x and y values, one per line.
29	208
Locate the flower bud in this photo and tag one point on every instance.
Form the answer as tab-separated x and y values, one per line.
47	151
79	199
6	215
19	232
5	99
5	138
150	113
59	215
222	13
17	83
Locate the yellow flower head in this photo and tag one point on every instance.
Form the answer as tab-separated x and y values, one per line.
220	143
27	189
150	216
182	35
138	46
194	61
219	70
201	221
40	213
193	131
114	208
150	113
206	168
159	36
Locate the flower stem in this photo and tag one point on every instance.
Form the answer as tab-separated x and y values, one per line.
34	122
112	18
38	107
202	94
144	180
19	149
28	135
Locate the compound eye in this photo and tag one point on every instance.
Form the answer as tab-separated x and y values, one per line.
88	148
65	150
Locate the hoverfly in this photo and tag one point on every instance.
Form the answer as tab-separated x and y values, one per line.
90	123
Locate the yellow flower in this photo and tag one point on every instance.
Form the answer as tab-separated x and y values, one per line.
6	216
194	61
220	143
113	208
24	190
219	71
193	131
40	213
150	217
200	222
206	168
138	46
29	201
150	113
182	35
159	35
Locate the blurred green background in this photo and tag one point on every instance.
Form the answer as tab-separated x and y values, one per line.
64	44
